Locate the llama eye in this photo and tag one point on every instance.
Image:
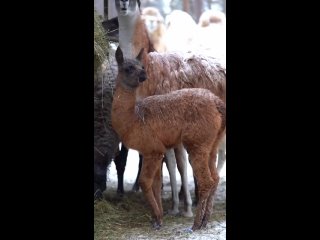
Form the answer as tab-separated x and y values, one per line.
129	69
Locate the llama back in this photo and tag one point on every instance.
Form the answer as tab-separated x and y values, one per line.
172	71
181	111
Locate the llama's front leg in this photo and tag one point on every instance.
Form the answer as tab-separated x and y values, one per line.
182	164
156	188
150	167
170	160
136	186
120	162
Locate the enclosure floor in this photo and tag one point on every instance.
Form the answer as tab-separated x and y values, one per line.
173	227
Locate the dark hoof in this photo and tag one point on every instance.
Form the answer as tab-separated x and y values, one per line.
135	188
98	195
194	228
120	193
204	223
156	226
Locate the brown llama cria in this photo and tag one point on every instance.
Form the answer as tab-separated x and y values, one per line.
192	117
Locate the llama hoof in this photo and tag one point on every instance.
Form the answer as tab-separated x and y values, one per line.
187	214
120	193
156	225
135	188
188	230
173	212
204	224
98	195
195	227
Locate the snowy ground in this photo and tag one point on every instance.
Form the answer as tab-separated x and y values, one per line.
131	171
216	228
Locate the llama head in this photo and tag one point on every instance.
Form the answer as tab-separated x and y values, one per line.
127	7
152	18
131	72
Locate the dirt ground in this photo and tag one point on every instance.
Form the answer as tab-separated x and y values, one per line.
128	217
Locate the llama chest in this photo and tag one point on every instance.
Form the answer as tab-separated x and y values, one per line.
144	140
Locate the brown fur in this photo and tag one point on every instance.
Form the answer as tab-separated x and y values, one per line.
171	71
194	117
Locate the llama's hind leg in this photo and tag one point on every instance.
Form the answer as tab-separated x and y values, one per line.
221	154
215	177
170	160
150	166
182	164
199	163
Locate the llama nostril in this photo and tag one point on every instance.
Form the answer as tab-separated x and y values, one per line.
142	78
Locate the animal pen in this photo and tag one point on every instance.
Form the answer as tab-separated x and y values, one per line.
126	215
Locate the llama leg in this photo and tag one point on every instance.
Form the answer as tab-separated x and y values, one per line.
215	177
151	164
182	167
195	191
199	163
170	160
156	188
120	162
136	186
100	178
221	154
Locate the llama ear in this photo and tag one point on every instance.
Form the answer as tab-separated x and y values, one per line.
119	56
139	57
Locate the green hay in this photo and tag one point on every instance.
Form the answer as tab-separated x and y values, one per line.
101	43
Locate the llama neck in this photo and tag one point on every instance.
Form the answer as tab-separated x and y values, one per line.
127	26
123	111
133	35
